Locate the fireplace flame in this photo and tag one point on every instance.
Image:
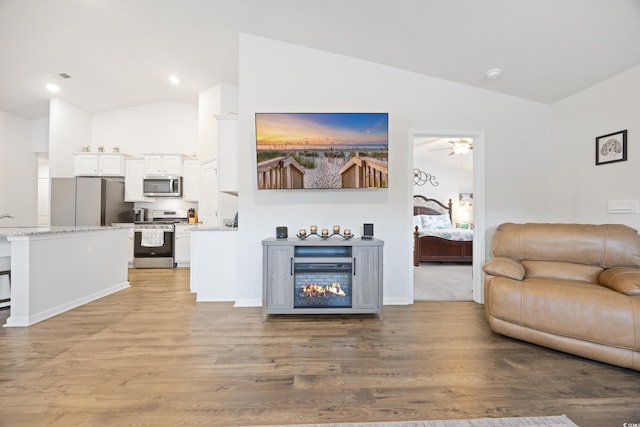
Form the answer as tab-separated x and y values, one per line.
314	290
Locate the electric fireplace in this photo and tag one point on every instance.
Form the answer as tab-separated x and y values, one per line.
322	277
322	285
303	276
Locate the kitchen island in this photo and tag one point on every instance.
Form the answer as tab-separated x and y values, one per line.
214	263
55	269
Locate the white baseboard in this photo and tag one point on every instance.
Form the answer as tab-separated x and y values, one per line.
248	302
59	309
397	301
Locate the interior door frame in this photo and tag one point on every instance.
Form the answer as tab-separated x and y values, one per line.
479	237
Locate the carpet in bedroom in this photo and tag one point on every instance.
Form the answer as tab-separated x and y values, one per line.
442	282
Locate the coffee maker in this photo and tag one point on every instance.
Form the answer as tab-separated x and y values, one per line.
139	214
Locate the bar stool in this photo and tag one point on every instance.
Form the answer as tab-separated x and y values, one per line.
5	270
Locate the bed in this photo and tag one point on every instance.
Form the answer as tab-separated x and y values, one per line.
435	239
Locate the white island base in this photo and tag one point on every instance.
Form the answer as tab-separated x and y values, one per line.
56	269
214	263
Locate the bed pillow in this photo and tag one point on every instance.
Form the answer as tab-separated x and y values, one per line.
417	221
436	222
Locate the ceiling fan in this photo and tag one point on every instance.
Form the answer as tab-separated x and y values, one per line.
462	146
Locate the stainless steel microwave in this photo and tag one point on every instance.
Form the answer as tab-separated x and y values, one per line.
162	186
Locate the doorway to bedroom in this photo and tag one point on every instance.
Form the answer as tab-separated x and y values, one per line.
443	208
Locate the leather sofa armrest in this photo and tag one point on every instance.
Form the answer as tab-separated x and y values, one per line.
625	280
505	267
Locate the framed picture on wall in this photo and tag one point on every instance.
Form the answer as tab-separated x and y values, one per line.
611	148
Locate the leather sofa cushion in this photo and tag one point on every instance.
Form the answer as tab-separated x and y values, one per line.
622	279
506	267
580	310
606	245
562	270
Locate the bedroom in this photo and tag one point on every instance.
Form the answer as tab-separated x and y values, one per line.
443	184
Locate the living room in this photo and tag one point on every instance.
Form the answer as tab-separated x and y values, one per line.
534	163
538	160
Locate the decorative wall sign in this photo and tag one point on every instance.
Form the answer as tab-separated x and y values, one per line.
611	148
421	178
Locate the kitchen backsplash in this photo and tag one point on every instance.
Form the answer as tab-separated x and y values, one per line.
168	203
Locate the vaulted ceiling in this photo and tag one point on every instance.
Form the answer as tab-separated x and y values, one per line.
119	53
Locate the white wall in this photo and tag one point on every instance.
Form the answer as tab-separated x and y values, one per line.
276	76
40	135
579	189
69	131
161	127
18	171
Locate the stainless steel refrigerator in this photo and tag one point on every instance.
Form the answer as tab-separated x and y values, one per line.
89	201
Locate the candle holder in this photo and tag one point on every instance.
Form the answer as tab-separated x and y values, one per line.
324	233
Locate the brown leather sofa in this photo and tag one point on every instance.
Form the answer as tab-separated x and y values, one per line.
570	287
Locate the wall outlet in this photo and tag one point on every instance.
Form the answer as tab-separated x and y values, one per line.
92	246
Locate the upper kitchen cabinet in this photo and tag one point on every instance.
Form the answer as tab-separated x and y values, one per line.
208	203
191	180
228	153
99	164
133	184
163	164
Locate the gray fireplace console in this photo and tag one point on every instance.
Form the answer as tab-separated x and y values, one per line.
315	276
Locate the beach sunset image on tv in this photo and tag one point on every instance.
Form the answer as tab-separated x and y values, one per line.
322	150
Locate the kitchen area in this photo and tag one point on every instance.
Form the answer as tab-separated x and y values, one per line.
155	197
134	181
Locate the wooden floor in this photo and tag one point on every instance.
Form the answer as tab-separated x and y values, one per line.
151	355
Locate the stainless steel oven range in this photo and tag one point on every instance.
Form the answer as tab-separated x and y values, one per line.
153	241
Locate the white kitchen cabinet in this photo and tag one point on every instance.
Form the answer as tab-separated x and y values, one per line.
85	164
214	264
209	194
191	180
98	164
163	164
133	176
182	244
228	153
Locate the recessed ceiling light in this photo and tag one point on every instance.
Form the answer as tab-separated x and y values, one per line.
174	80
494	73
52	87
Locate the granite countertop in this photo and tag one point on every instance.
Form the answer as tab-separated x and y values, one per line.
46	229
209	228
122	224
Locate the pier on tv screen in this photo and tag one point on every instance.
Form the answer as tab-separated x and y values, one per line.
322	150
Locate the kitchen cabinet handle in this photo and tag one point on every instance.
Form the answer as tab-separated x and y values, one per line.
354	266
291	267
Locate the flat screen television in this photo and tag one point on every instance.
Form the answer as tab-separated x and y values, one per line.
322	150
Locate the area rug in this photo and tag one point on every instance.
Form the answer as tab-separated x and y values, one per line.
554	421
